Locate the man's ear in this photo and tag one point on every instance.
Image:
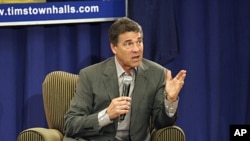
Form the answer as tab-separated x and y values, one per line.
113	48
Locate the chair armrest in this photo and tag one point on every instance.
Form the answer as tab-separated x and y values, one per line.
40	134
171	133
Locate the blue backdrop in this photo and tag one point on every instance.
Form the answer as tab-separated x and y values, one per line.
209	38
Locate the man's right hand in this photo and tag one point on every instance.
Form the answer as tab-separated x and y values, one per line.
118	106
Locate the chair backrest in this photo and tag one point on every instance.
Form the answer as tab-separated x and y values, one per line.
58	89
170	133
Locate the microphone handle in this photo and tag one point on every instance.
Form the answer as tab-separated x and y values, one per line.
126	88
122	117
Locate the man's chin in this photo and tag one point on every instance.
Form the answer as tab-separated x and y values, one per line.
136	64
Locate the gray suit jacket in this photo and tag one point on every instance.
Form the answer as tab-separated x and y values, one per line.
98	85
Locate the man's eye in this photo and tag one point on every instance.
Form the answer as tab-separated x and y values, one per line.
130	43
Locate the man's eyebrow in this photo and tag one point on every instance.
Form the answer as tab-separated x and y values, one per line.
129	40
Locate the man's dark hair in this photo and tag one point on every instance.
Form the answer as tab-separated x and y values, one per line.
121	26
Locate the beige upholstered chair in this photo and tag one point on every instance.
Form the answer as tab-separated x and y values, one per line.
58	89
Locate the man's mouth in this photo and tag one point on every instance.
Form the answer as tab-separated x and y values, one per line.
136	58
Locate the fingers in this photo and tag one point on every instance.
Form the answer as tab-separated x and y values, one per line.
181	75
119	106
123	103
123	98
168	75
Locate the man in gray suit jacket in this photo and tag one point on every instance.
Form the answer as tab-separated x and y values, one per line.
97	106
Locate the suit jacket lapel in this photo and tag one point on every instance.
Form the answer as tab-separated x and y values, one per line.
138	91
110	80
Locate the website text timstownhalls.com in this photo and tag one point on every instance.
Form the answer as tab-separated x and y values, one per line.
51	10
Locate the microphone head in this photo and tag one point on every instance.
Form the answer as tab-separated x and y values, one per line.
127	80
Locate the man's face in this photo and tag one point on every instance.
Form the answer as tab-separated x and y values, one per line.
129	50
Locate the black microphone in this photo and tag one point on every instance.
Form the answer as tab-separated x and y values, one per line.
125	90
